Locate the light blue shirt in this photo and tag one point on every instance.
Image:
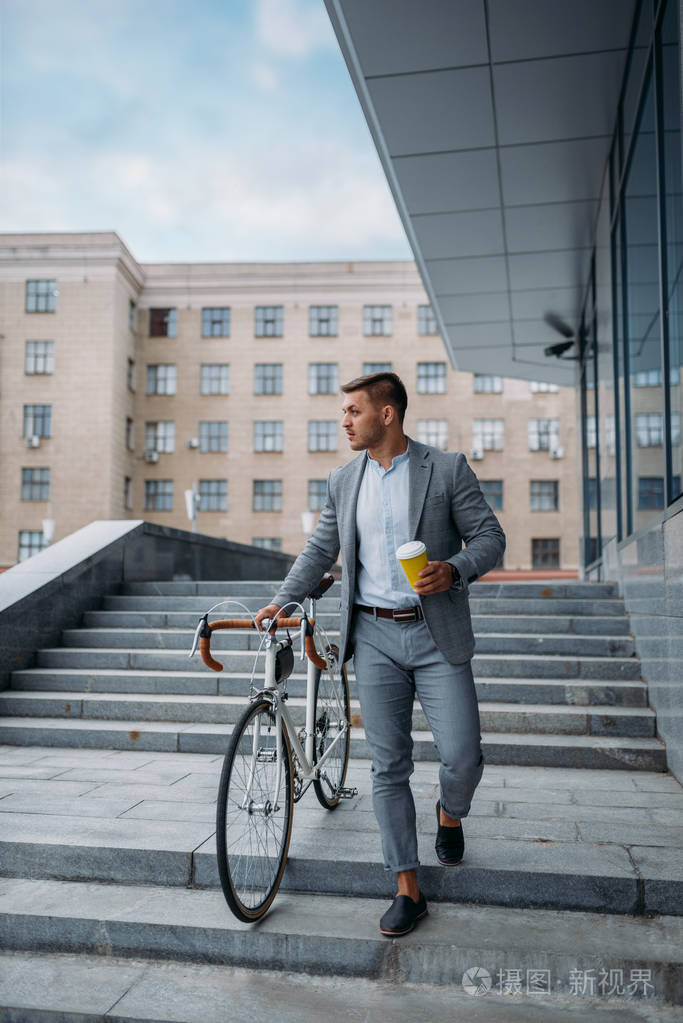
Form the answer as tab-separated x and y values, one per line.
381	527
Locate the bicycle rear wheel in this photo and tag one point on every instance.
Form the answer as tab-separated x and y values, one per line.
252	834
332	722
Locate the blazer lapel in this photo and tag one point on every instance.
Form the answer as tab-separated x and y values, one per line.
420	473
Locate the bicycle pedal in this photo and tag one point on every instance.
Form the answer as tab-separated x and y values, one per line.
347	793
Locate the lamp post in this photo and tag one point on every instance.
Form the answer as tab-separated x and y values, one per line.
192	505
307	522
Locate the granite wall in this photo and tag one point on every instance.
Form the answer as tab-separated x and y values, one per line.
50	591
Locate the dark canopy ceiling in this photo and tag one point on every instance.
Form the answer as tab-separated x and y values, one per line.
493	120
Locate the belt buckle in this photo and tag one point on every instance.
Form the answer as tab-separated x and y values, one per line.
408	614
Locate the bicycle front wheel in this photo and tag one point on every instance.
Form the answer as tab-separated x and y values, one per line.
254	813
332	733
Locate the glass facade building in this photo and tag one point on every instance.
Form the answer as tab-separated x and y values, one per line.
631	331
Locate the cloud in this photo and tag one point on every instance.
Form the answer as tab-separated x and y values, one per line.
291	28
264	76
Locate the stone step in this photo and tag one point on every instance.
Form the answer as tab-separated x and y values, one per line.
592	751
553	691
513	665
320	937
579	625
494	716
181	639
93	988
556	588
587	607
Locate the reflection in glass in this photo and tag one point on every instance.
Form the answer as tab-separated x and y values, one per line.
671	115
643	327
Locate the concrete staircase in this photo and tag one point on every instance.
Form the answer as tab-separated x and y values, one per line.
557	678
109	771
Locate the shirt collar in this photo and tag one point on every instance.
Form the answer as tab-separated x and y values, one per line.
396	461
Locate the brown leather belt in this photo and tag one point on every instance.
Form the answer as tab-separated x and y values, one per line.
398	614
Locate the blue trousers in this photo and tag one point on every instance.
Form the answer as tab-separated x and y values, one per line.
393	662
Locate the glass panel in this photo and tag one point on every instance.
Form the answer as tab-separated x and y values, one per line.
643	36
643	328
674	220
606	440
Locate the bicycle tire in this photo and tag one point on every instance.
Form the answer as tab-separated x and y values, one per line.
252	844
327	724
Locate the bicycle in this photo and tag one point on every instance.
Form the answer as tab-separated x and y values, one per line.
270	763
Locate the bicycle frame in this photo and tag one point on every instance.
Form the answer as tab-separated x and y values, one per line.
310	770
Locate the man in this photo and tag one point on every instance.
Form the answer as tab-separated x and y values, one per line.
404	641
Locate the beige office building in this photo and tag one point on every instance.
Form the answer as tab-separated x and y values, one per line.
123	385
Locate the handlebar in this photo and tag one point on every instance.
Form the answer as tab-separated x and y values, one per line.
242	623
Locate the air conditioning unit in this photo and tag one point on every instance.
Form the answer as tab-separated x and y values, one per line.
152	456
557	452
33	442
193	443
476	454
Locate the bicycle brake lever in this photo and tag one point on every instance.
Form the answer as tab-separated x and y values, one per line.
303	631
201	630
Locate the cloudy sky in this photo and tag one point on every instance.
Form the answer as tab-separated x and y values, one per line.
196	129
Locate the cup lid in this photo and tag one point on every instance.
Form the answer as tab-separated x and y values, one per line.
410	549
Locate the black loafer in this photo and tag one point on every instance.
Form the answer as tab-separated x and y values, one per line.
450	842
402	915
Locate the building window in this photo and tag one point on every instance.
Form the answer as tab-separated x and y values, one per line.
213	435
269	320
592	492
377	320
41	296
130	439
216	321
269	435
268	378
649	429
544	434
591	437
214	378
267	495
650	491
130	375
267	543
322	435
545	553
493	492
376	367
541	387
132	315
158	495
127	493
545	495
37	421
426	320
40	357
434	432
35	484
488	434
487	384
160	437
323	378
317	491
31	541
163	322
161	379
213	495
431	378
323	320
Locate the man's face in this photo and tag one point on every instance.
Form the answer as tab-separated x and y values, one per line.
363	421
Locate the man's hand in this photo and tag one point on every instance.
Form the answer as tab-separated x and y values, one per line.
435	578
267	612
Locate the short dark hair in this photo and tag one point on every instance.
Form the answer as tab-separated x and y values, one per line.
383	388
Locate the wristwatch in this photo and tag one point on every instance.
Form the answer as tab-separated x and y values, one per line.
456	579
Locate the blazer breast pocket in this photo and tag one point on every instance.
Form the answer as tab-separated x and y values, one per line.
436	499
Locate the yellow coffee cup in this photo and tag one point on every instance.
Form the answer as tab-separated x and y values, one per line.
413	558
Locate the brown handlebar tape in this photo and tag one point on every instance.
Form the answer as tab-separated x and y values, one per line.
240	623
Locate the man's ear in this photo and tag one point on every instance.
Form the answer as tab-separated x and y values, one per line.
389	414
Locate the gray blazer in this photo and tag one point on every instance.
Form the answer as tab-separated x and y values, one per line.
446	507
